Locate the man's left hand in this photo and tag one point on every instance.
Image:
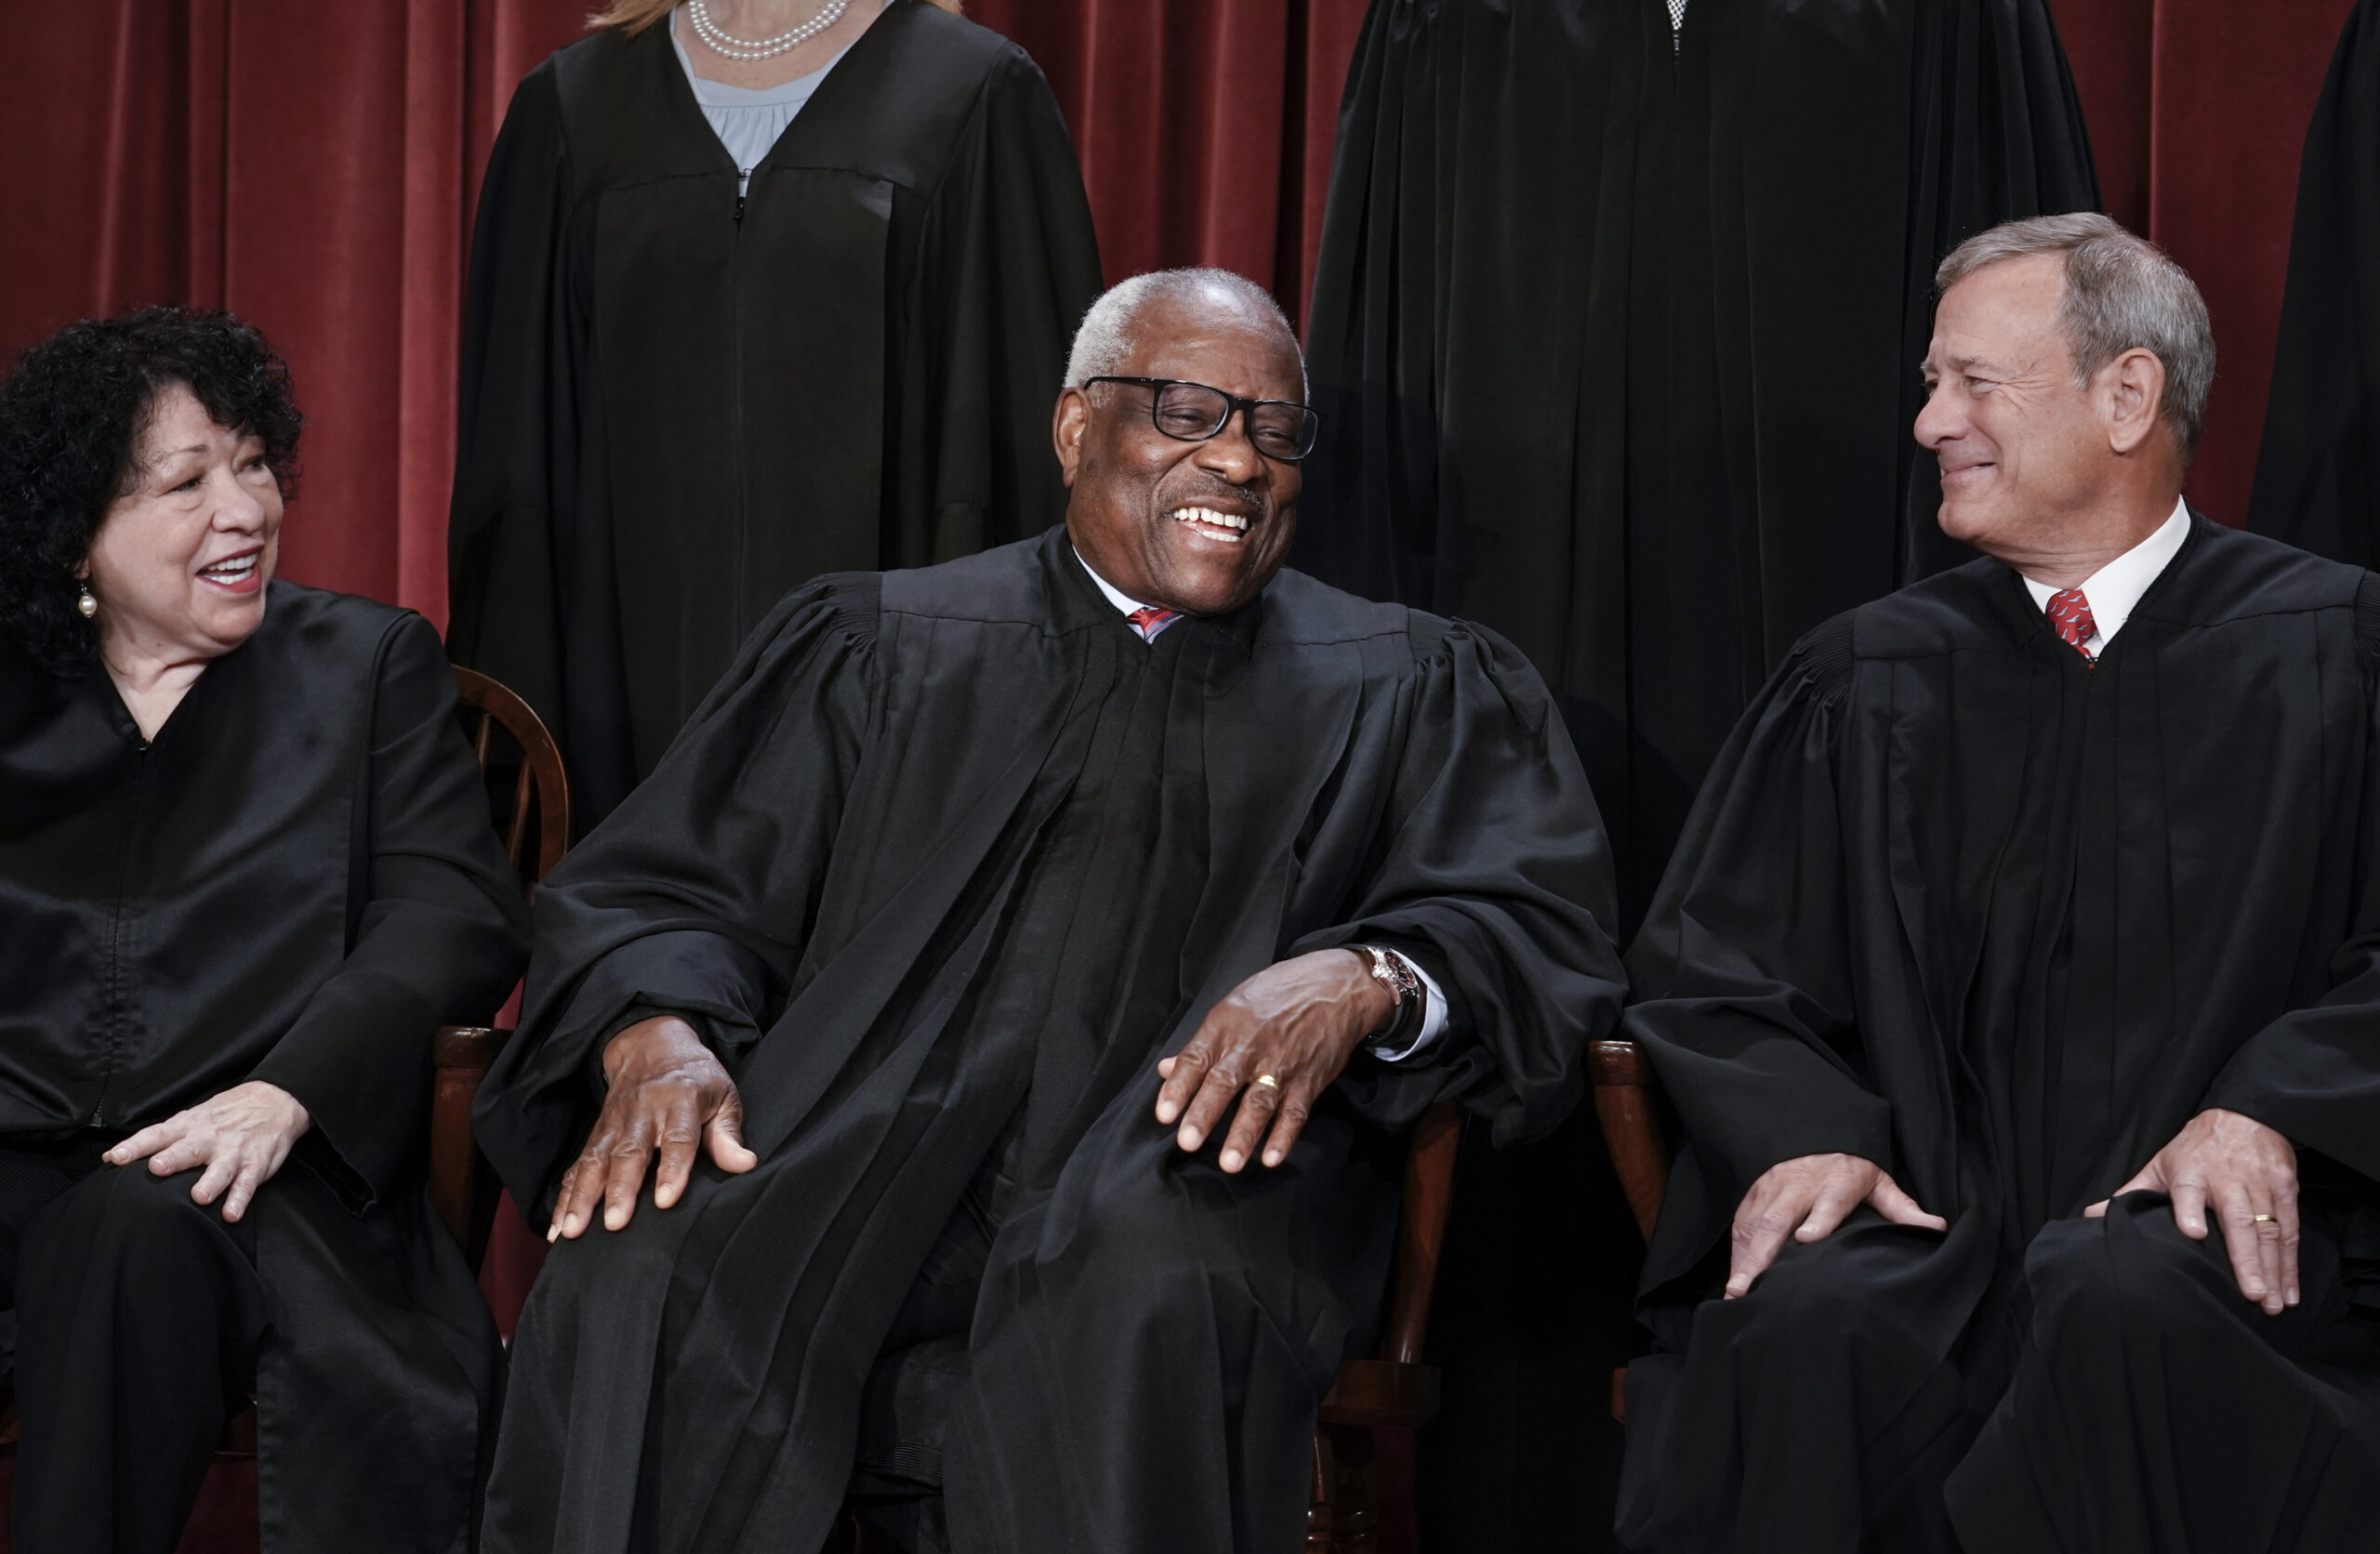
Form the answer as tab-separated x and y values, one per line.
2248	1172
1294	1024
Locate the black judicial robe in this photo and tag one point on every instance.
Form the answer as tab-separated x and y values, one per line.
1956	901
2318	474
1616	332
951	855
297	882
678	402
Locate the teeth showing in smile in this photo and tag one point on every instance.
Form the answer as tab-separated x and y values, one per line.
237	570
1232	527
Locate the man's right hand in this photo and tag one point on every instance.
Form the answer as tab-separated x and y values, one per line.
1806	1198
667	1094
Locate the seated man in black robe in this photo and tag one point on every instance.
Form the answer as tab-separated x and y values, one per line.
2017	984
986	929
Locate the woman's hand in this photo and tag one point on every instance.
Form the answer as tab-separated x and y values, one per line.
1280	1038
241	1137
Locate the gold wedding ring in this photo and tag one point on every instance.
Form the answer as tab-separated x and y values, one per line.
1268	1082
2264	1219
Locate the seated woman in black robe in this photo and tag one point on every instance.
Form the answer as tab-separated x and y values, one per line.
245	870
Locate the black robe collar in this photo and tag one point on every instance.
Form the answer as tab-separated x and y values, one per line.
1077	603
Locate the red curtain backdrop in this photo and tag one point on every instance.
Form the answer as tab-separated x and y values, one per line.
313	168
2197	111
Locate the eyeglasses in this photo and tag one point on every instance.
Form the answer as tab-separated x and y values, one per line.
1193	413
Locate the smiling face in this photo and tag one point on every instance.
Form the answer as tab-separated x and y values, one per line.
1198	527
2023	450
179	562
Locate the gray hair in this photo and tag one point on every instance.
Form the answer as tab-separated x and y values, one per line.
1105	341
2123	293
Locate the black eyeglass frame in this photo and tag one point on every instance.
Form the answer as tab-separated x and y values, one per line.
1233	405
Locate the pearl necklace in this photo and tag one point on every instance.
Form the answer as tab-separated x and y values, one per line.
740	49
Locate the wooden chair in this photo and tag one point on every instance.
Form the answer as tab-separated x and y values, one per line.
1356	1483
459	1055
1628	1105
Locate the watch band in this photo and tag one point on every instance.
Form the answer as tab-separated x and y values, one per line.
1395	973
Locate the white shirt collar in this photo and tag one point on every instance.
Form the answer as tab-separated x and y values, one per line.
1123	602
2113	589
1126	604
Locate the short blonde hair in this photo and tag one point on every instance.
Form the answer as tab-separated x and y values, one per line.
634	16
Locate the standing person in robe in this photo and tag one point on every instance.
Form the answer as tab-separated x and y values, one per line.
1612	329
245	871
738	318
1612	325
2018	985
952	929
2317	475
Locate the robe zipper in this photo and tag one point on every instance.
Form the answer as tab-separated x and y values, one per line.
736	411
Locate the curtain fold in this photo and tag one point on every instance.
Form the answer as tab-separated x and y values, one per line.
2197	111
313	167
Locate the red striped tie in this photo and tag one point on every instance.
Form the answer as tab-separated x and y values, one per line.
2069	612
1150	619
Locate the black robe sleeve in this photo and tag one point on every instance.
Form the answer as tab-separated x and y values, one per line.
515	448
1742	970
697	895
1493	871
1008	265
2314	1074
437	930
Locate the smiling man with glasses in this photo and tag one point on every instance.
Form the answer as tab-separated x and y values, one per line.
1024	970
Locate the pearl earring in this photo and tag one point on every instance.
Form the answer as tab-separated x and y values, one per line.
83	602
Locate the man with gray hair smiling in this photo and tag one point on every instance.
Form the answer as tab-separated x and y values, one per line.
2018	985
1023	970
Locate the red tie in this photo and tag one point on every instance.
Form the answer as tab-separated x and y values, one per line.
1150	619
2069	612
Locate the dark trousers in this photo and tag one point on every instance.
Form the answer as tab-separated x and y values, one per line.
1131	1362
2152	1410
138	1319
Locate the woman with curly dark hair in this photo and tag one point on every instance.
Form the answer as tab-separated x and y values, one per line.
245	870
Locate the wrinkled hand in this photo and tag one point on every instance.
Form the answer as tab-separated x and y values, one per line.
2249	1173
1807	1197
669	1093
1298	1020
240	1137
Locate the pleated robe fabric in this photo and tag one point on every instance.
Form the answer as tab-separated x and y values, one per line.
1616	332
2318	474
295	881
1958	902
952	857
678	402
